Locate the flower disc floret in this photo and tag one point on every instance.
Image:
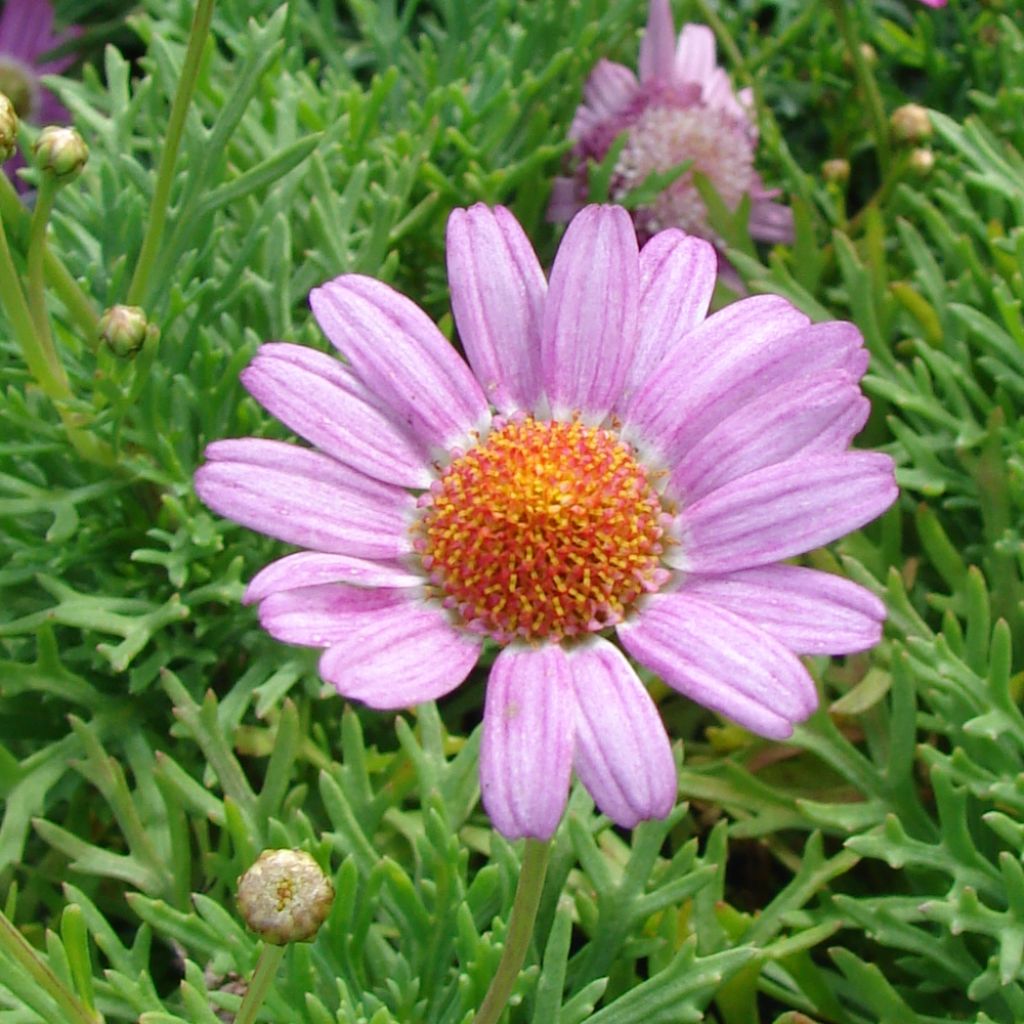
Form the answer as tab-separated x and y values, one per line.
543	531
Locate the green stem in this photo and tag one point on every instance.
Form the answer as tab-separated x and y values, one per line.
866	81
259	986
37	247
165	175
520	931
16	946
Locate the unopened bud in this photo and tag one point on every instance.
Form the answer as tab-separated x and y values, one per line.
867	51
922	161
910	123
8	127
836	171
60	152
125	329
285	896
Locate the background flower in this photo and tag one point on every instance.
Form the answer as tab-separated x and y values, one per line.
611	463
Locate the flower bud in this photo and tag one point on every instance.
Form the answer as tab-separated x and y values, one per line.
60	152
8	127
910	123
836	171
922	160
285	896
125	329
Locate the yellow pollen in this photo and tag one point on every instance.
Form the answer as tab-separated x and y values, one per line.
285	893
545	530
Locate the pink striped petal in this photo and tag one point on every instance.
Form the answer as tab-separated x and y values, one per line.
610	89
817	413
323	403
590	318
810	612
527	748
498	291
311	568
695	55
677	278
718	660
783	510
323	615
770	222
657	51
623	755
399	656
305	498
402	358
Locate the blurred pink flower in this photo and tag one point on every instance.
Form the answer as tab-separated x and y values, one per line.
613	473
682	108
26	35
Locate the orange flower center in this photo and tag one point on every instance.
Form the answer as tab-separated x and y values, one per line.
544	531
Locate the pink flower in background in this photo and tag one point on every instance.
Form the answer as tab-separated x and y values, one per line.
682	108
935	3
613	475
26	35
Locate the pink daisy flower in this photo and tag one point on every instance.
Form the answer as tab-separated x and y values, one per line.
613	475
682	108
26	34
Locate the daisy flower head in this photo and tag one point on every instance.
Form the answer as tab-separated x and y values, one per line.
610	477
682	109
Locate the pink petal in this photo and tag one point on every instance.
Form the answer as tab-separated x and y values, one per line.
623	755
564	202
717	659
658	46
771	222
610	89
311	568
783	510
677	278
322	401
498	291
810	612
399	656
695	55
305	498
26	29
590	319
527	748
402	358
820	412
320	616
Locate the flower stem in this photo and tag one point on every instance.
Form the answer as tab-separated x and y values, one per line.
520	930
866	81
36	254
259	986
18	950
165	174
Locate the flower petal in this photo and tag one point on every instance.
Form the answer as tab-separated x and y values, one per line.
400	655
590	328
319	616
810	612
820	412
401	357
311	568
770	222
623	755
527	747
658	46
783	510
305	498
718	660
498	291
677	278
610	89
695	55
321	400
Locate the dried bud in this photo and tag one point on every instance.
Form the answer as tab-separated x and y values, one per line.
836	172
285	896
922	160
910	123
8	127
125	329
60	152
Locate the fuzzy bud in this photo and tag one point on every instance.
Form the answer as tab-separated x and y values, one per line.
910	123
125	329
836	172
922	160
285	896
8	127
60	152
